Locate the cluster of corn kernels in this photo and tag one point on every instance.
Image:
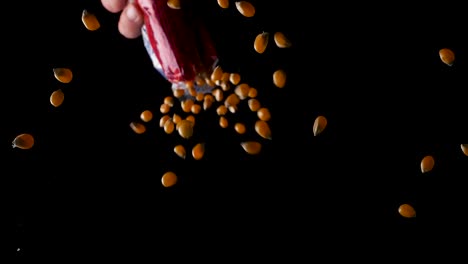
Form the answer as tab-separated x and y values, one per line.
227	93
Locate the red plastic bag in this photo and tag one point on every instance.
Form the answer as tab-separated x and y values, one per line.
178	43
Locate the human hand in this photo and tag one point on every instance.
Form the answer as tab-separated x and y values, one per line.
131	17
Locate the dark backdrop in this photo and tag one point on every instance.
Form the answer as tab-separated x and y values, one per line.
91	185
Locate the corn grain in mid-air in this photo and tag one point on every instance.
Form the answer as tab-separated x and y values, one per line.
195	109
223	3
447	56
63	75
169	179
190	118
427	164
23	141
264	114
263	129
254	104
234	78
223	122
252	92
185	129
240	128
246	8
407	211
198	151
57	97
169	126
164	108
138	127
320	124
174	4
180	151
217	73
169	100
281	41
464	148
146	116
279	78
242	91
163	120
252	147
90	20
261	42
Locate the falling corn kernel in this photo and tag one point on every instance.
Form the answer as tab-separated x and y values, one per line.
195	109
281	40
261	42
207	104
447	56
218	94
190	84
179	150
240	128
221	110
232	100
263	129
246	8
232	109
234	78
164	108
264	114
225	77
198	151
208	97
57	97
427	164
169	179
225	86
242	90
279	78
190	118
169	126
217	73
146	116
163	120
199	81
407	211
169	100
464	148
223	3
192	91
90	20
23	141
320	124
174	4
186	105
223	122
176	118
210	82
254	105
138	127
63	75
178	93
199	97
185	128
252	147
252	92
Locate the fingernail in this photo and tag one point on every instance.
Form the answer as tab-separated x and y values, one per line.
132	13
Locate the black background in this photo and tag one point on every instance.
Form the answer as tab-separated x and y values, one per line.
90	185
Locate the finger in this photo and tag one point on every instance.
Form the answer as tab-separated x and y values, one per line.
131	21
114	6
